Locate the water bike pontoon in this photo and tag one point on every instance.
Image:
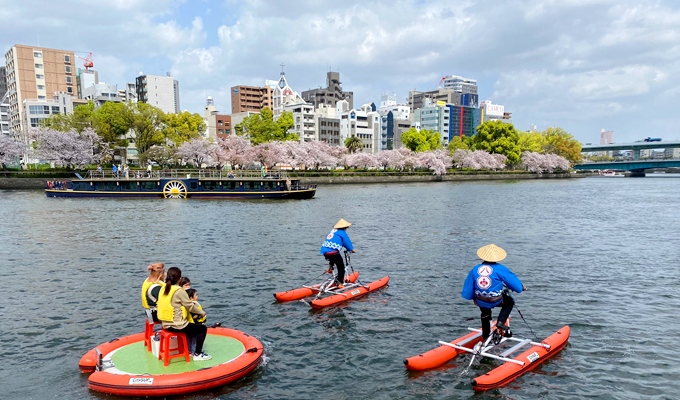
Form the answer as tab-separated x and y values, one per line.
496	347
182	184
126	367
327	293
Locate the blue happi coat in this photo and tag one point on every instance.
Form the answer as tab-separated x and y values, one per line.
335	241
487	280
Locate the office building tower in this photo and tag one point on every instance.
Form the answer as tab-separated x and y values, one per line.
36	73
159	91
330	95
250	98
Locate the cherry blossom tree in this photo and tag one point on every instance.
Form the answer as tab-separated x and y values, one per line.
459	155
532	161
197	152
238	150
390	159
10	149
361	159
68	148
320	154
269	153
538	163
437	161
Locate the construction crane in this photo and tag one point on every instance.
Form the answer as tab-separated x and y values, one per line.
88	61
441	82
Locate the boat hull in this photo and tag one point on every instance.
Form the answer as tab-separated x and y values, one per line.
508	372
296	194
173	383
442	354
297	294
350	294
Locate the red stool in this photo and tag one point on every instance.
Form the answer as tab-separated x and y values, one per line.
148	332
164	350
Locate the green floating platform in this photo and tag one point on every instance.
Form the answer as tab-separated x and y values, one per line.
135	359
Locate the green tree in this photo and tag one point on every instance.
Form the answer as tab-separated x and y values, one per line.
423	140
113	120
159	154
560	142
457	143
353	144
499	138
148	122
530	141
183	127
261	128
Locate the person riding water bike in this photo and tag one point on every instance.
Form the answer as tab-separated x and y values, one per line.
484	285
331	247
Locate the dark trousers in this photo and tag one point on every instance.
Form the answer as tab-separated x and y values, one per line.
336	259
197	332
506	308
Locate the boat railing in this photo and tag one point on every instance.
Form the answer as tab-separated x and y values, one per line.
186	173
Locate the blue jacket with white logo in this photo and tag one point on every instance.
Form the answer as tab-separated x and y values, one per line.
335	241
486	281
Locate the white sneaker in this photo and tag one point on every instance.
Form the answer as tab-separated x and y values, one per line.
202	357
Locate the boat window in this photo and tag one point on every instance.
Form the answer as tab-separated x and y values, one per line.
269	185
230	185
210	185
149	186
194	185
128	186
251	185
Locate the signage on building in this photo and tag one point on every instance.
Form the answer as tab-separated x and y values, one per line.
441	103
235	90
494	110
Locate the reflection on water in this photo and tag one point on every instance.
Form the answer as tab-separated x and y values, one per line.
598	254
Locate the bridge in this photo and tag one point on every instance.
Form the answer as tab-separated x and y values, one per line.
636	166
636	147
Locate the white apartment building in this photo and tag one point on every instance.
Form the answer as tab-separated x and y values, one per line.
159	91
4	114
100	93
388	102
363	123
304	122
35	111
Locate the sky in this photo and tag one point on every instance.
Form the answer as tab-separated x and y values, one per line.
583	65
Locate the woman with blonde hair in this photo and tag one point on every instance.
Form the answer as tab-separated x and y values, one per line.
152	287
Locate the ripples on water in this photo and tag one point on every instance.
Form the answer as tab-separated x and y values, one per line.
600	255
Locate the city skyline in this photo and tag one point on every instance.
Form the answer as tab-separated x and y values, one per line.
572	64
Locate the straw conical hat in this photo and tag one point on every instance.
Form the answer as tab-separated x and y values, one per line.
491	253
342	224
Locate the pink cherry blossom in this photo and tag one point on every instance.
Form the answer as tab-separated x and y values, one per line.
10	149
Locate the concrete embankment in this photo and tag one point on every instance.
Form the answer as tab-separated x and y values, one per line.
39	183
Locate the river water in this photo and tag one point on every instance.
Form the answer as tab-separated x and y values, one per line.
598	254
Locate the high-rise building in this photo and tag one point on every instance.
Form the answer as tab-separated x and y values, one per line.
101	93
448	120
4	114
250	98
395	119
363	123
159	91
3	82
331	94
418	99
36	73
86	78
459	84
327	125
304	123
606	137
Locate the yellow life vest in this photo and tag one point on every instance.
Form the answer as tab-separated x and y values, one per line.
200	319
165	311
145	289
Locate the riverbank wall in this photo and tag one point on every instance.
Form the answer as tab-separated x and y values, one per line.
39	183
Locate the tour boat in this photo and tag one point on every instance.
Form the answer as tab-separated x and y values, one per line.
126	367
511	369
181	184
